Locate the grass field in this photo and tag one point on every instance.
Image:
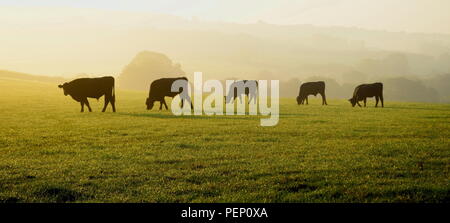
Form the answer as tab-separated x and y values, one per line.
50	152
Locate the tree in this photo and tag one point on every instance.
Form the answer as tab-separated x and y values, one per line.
146	67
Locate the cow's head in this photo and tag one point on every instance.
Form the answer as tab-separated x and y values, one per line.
229	98
299	100
352	101
149	102
63	86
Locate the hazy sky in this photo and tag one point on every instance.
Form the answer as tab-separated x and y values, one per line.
56	37
392	15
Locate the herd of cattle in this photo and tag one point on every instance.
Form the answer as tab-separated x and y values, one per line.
83	88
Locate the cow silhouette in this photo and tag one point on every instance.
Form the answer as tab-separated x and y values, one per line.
311	88
83	88
364	91
161	88
238	88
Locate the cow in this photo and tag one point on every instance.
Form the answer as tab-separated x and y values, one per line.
162	88
83	88
238	88
311	88
364	91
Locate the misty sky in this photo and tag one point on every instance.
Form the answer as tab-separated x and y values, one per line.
65	37
392	15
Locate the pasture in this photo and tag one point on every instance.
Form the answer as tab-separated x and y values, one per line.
50	152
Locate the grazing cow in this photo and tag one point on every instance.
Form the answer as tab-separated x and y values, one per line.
238	88
162	88
364	91
311	88
83	88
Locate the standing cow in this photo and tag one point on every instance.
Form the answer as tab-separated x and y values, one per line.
311	88
238	88
162	88
83	88
364	91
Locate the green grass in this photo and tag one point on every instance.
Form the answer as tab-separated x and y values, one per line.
50	152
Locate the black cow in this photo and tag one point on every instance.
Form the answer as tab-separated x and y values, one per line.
162	88
238	88
83	88
364	91
311	88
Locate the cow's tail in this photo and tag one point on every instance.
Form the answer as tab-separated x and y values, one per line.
113	93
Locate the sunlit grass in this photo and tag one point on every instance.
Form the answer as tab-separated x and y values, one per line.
50	152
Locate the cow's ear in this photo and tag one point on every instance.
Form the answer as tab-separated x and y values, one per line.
60	86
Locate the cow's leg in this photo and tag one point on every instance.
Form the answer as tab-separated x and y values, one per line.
188	99
87	104
82	105
324	99
307	100
376	101
365	101
107	99
165	105
357	102
113	104
250	97
112	101
160	105
382	101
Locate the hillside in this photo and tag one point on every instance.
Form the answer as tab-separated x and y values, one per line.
5	74
149	66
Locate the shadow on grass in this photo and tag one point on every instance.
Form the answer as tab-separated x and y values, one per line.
58	194
418	108
10	200
172	116
206	117
414	195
